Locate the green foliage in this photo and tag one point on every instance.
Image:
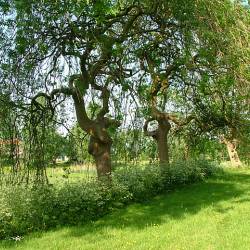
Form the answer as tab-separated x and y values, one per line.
141	183
106	42
8	130
132	146
57	145
78	146
183	172
24	209
212	214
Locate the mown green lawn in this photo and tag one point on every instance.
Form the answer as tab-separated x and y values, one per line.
211	215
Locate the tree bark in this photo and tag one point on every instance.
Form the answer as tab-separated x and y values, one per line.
100	141
231	145
232	152
160	136
101	152
162	141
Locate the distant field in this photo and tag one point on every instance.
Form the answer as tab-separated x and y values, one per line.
71	173
210	215
61	173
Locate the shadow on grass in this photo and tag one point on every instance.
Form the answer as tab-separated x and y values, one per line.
187	200
176	205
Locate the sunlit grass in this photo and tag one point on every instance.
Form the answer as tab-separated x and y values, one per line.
65	172
58	173
209	215
71	173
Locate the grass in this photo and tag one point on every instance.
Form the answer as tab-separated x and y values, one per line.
209	215
66	172
71	173
60	173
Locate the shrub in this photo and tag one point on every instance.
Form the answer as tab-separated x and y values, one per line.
25	208
184	172
142	183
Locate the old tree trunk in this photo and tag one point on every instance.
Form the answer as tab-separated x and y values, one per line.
159	87
162	141
231	143
100	141
100	149
232	152
160	135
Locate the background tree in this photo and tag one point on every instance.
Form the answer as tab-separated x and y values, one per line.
10	138
181	58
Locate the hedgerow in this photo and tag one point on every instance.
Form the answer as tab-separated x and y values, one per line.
25	209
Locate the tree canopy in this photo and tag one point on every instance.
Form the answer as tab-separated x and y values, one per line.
176	62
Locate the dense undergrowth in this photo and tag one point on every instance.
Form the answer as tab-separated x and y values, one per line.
30	208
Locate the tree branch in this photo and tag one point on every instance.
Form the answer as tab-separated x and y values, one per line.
105	102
